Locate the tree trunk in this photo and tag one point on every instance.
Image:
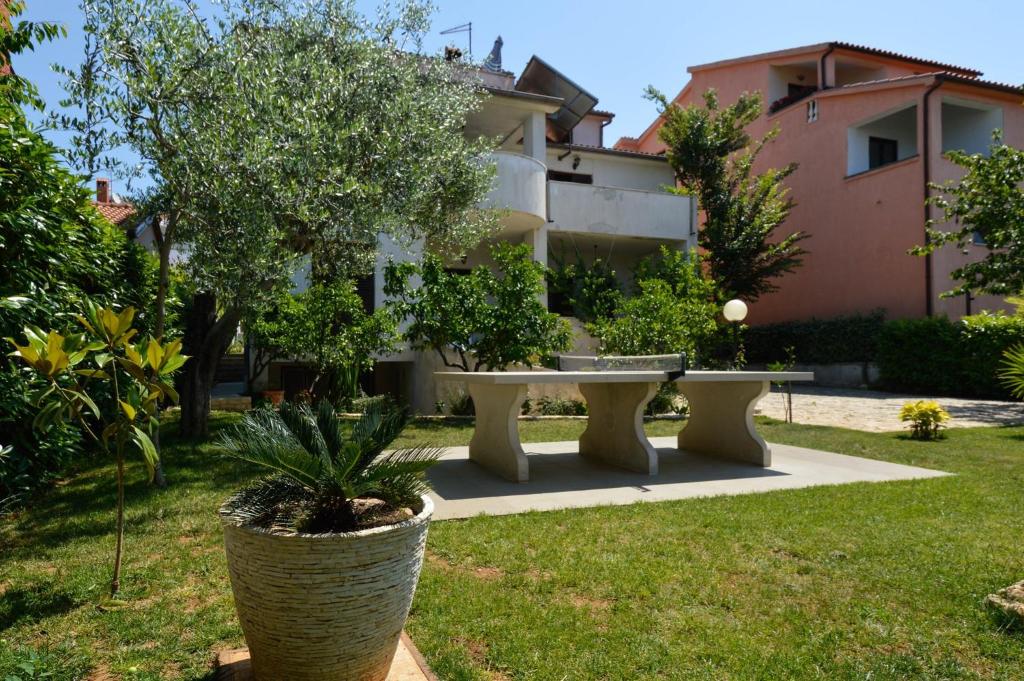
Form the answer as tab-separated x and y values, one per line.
164	243
115	582
206	340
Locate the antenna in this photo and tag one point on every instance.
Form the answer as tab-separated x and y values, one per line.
462	28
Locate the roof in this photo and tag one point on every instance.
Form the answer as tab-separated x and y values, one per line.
519	94
821	47
116	213
943	76
588	148
539	77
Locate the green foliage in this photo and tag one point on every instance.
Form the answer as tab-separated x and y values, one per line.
56	252
935	355
328	325
103	382
480	320
275	130
15	38
560	406
713	158
668	315
851	338
320	469
926	419
987	202
589	291
1012	373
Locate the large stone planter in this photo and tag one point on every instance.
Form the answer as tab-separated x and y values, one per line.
329	607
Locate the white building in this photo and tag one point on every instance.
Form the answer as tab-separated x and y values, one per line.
560	191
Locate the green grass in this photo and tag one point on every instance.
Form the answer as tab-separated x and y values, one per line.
880	581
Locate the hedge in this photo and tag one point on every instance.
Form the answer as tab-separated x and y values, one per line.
817	341
932	355
938	356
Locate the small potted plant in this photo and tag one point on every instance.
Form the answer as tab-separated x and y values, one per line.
325	554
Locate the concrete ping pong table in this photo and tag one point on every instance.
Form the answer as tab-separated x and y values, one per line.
721	421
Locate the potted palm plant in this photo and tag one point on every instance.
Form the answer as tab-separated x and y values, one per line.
325	554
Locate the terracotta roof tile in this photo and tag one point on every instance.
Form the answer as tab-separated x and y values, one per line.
906	57
116	213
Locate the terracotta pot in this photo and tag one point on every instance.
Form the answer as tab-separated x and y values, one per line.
276	397
329	607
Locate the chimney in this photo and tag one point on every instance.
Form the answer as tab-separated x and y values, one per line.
102	190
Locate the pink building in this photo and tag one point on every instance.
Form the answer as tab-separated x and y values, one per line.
868	128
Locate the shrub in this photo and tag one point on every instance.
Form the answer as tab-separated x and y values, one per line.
667	401
460	404
851	338
926	418
558	406
936	355
672	311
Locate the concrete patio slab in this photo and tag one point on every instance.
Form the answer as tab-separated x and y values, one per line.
560	478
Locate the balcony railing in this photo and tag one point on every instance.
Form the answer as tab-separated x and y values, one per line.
622	212
520	189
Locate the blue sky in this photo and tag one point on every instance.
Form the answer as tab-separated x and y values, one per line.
616	48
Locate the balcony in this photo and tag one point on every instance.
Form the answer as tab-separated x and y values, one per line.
620	212
520	190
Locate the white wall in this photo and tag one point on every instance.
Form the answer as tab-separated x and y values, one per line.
588	131
900	126
779	78
610	170
968	126
619	212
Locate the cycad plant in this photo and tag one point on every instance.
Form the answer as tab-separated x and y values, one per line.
1013	370
322	468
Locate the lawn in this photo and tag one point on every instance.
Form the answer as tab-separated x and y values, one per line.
857	581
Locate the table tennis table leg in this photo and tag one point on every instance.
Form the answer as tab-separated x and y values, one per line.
495	444
721	421
615	425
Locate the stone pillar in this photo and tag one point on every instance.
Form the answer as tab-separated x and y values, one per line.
535	136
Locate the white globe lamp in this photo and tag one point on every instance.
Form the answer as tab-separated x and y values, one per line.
735	310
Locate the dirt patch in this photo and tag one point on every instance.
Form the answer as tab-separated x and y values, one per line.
100	673
594	605
488	573
482	572
477	650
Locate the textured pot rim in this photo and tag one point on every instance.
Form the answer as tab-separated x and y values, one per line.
418	519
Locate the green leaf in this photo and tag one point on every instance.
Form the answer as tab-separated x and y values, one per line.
147	449
129	410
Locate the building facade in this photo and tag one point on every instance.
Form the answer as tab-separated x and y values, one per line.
869	130
558	188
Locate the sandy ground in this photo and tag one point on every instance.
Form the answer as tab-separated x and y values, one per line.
877	411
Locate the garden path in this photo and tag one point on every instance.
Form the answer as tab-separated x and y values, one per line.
875	411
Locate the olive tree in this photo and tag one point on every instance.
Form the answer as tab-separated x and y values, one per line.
276	130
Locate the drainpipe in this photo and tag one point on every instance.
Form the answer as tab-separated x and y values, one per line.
925	160
822	85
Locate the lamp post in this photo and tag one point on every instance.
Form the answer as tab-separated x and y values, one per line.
735	311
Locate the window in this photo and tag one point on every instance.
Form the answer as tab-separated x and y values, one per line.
366	289
562	176
882	151
812	111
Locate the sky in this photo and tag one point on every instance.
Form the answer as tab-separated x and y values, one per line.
616	48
